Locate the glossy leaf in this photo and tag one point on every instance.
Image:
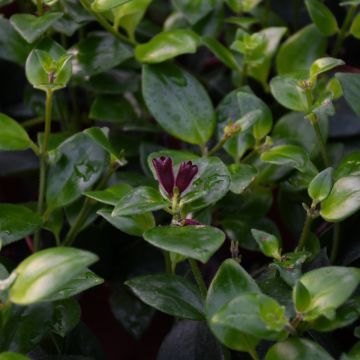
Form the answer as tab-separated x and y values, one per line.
328	288
300	50
134	225
170	294
67	315
268	243
92	53
31	27
230	281
254	314
111	195
105	5
242	175
178	102
167	45
322	17
320	185
74	167
343	200
194	10
12	135
16	222
286	91
349	166
139	201
47	272
198	242
350	84
295	348
324	64
289	155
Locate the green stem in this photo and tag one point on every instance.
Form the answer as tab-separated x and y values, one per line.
305	232
198	277
43	161
31	122
105	24
40	7
335	244
84	211
217	147
167	260
253	354
321	142
343	31
226	352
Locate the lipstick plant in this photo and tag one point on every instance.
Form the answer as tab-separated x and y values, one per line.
195	158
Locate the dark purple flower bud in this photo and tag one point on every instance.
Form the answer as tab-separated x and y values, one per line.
185	175
187	222
165	173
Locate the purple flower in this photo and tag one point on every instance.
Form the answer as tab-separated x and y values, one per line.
165	173
185	175
188	222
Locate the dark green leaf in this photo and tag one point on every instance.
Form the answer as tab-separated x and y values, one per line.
198	242
350	84
111	195
322	17
349	166
16	222
66	316
31	27
242	176
178	102
194	10
171	294
13	356
355	27
320	185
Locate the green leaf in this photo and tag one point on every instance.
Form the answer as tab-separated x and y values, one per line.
300	50
194	10
320	185
255	314
12	135
105	5
242	176
322	65
31	27
343	200
198	242
12	46
47	272
355	27
322	17
221	52
302	297
349	166
85	280
48	66
92	53
268	243
178	102
134	225
230	281
350	84
16	222
296	349
286	91
139	201
75	166
171	294
328	288
167	45
111	195
289	155
13	356
249	102
67	315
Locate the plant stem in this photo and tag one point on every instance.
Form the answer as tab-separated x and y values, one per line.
85	210
43	161
40	7
105	24
335	244
253	354
167	259
321	142
217	147
226	352
31	122
305	232
343	31
198	277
